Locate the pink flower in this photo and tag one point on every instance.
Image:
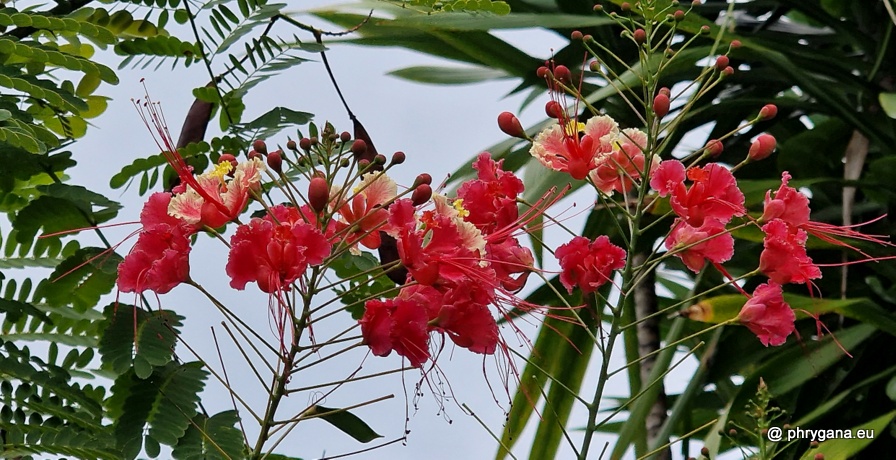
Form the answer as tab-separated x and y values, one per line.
767	315
697	245
160	259
784	259
567	148
619	170
364	209
508	258
713	193
588	265
212	200
396	324
274	254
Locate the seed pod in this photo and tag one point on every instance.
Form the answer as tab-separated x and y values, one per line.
318	194
510	125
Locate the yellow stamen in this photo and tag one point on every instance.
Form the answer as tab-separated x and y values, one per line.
459	206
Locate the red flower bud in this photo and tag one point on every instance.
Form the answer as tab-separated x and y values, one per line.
345	136
735	43
714	147
678	15
291	144
762	147
379	159
275	160
587	37
768	111
421	179
228	158
696	3
594	66
722	62
253	154
359	147
363	164
554	110
728	71
318	194
421	194
640	36
704	30
562	74
305	144
542	72
666	91
661	105
626	6
510	125
398	158
260	146
576	35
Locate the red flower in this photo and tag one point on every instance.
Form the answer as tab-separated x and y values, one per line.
784	259
767	315
491	198
396	324
443	249
211	200
464	316
274	254
588	265
507	259
713	193
574	147
160	259
789	205
696	245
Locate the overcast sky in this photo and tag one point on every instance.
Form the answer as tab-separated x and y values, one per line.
439	128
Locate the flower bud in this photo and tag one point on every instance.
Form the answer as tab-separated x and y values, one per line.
318	194
275	160
398	158
421	194
666	91
735	44
678	15
704	451
314	141
762	147
696	3
260	146
768	111
722	62
626	6
359	147
576	35
562	74
510	125
587	37
253	154
714	147
704	30
345	136
819	456
542	72
553	109
594	66
291	144
379	159
728	71
228	157
640	36
421	179
598	7
343	163
661	105
305	144
363	164
732	432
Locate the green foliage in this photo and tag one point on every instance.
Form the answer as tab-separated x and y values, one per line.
212	438
365	280
347	422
